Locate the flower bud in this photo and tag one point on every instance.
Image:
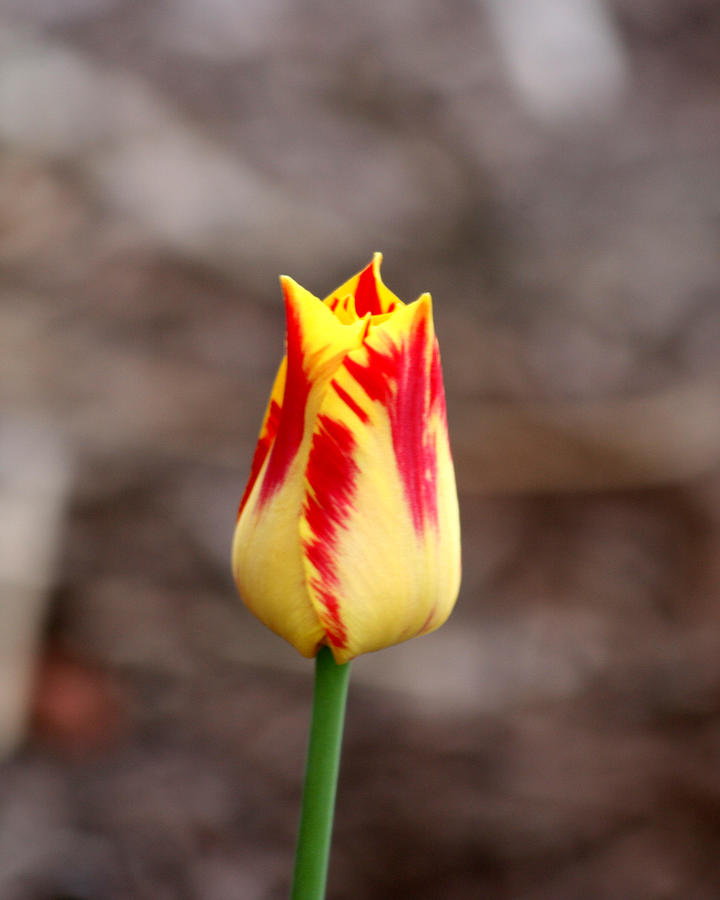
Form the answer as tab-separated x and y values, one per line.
348	531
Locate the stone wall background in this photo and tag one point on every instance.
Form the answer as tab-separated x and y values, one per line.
557	189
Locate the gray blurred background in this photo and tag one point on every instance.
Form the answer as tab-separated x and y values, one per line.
550	171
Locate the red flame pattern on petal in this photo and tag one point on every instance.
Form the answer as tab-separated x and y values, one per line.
331	476
261	450
367	298
409	386
292	420
349	402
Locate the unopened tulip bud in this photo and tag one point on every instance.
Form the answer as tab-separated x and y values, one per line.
348	531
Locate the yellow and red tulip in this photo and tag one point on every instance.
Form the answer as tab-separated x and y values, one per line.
348	531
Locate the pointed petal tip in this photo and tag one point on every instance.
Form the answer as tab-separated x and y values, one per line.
422	310
288	284
296	296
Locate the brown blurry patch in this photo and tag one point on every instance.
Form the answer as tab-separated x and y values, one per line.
77	706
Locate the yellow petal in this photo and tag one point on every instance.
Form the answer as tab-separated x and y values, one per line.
380	524
267	558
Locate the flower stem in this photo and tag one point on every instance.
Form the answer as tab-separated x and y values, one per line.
323	762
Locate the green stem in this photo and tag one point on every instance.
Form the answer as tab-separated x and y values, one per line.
323	762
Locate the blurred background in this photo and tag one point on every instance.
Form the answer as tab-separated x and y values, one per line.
550	171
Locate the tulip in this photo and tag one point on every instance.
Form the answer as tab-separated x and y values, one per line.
348	530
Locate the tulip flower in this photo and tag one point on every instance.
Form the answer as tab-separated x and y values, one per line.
348	536
348	530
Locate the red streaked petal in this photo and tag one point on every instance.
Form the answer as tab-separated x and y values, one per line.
367	298
297	388
348	400
330	479
380	539
268	560
315	344
370	293
268	431
399	367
